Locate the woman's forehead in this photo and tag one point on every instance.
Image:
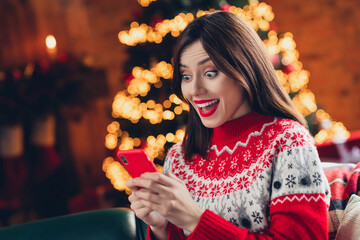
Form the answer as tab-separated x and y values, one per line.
193	52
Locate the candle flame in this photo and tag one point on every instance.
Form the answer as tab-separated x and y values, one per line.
50	42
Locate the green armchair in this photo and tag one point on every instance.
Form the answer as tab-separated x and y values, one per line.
109	224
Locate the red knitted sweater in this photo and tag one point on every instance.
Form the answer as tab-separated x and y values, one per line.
262	179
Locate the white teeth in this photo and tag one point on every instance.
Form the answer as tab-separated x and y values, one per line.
201	105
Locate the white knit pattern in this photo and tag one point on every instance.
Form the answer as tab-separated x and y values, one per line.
242	144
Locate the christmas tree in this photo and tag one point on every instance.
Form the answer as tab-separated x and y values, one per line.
147	115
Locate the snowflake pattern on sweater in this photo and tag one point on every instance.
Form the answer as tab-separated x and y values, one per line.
249	169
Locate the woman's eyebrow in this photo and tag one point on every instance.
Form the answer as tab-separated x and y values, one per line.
199	63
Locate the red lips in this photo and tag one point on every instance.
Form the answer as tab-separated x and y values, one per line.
209	113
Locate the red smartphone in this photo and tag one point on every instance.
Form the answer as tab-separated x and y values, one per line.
136	162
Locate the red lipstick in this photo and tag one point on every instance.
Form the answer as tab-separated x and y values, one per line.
201	104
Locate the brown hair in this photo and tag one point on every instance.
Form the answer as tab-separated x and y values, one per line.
237	51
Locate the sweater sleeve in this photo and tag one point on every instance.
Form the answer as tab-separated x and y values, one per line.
174	233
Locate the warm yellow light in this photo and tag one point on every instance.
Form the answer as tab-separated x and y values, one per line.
177	100
113	127
287	43
145	3
151	140
167	104
111	141
142	107
150	104
134	25
158	84
106	163
158	108
185	106
159	168
161	139
170	137
180	134
137	142
321	136
116	173
172	98
50	42
321	115
257	15
168	115
178	110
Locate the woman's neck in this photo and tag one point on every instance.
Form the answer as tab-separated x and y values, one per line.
234	130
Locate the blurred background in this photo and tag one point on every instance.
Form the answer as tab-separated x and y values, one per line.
80	79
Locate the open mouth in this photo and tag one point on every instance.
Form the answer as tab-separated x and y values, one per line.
207	107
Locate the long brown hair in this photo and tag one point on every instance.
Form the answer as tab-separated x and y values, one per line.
236	50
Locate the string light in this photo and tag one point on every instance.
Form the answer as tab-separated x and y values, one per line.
333	130
143	78
145	3
258	16
144	33
111	141
305	102
298	80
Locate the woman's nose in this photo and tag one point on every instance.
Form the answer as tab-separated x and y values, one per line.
197	86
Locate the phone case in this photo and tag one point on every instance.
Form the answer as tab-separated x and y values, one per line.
136	162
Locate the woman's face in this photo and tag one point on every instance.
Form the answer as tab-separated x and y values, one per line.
216	97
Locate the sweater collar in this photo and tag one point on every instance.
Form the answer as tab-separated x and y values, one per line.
238	128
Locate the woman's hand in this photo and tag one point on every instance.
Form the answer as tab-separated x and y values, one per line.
146	214
168	196
157	222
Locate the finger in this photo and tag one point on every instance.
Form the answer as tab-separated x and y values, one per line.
142	212
134	189
160	178
150	205
158	188
137	183
149	196
132	183
151	182
137	205
132	197
156	183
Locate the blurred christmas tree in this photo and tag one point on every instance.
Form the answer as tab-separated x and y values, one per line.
147	115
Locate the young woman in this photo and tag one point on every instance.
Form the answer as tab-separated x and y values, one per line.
247	167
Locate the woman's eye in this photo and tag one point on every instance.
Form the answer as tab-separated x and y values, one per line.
185	77
211	74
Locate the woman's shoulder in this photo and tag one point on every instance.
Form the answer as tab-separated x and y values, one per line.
175	151
291	130
285	124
